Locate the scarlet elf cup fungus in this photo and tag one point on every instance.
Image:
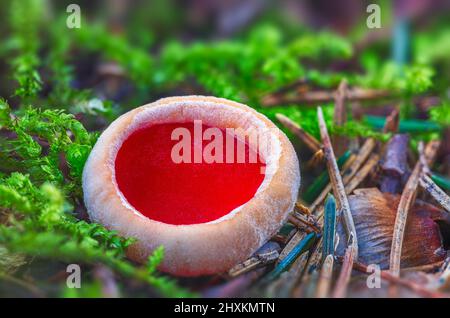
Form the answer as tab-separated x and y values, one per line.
190	174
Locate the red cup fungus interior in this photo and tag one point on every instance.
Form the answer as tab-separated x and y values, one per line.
182	193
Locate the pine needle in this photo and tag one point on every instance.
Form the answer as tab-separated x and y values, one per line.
289	259
337	183
329	228
406	201
340	290
298	131
315	97
437	193
339	191
326	274
362	173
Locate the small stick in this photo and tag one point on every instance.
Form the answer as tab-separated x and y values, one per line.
339	107
349	170
362	173
297	238
326	274
426	157
339	191
316	256
406	200
363	154
353	184
319	200
317	97
437	193
340	289
266	254
287	261
314	190
340	116
298	131
337	184
423	268
357	179
300	221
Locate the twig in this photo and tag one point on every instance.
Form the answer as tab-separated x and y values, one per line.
339	191
348	172
298	131
317	97
406	200
405	203
323	180
437	193
287	261
362	173
321	197
316	256
340	116
300	222
339	107
298	237
357	179
363	154
337	184
267	254
340	290
423	268
326	274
